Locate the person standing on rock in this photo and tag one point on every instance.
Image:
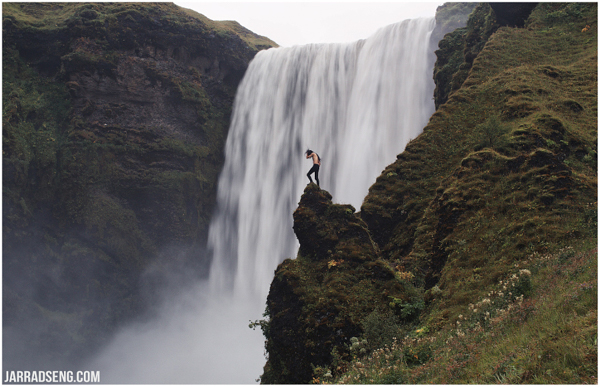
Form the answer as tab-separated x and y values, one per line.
316	164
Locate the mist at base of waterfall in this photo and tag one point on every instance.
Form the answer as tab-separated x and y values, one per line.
198	337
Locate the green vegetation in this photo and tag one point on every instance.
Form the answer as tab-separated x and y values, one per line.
536	326
479	214
114	122
333	285
52	17
459	49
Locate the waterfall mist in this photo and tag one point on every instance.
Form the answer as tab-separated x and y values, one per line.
357	105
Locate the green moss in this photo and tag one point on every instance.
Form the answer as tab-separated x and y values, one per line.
324	294
458	50
502	175
93	188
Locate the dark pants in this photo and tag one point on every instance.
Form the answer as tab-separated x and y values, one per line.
315	169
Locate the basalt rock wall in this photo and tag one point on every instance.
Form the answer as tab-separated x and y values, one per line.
114	122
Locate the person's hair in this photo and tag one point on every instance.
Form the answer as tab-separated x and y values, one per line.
308	151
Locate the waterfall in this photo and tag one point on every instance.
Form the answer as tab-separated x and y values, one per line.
357	105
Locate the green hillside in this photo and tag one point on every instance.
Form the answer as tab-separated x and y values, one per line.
487	220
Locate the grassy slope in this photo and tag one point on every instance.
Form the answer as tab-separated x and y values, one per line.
503	179
58	15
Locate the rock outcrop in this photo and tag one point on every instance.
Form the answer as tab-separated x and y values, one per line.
512	14
318	301
459	48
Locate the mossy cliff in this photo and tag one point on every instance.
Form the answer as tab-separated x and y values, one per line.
114	122
318	300
458	50
479	209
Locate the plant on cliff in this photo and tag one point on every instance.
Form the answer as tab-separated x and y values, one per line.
492	131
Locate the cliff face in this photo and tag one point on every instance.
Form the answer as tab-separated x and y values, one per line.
505	170
449	17
458	50
114	122
318	301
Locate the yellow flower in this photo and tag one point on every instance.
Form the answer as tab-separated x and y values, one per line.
333	262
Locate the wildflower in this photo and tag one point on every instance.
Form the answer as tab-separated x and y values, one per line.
474	310
524	272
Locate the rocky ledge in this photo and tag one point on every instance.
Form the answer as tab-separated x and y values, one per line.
317	302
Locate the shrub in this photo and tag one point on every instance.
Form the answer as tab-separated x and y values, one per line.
380	328
492	131
408	310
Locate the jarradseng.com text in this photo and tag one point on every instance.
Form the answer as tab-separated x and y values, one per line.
52	377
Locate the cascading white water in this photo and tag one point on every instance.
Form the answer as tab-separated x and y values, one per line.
357	105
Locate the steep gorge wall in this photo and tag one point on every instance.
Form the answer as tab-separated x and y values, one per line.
505	168
459	48
114	122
